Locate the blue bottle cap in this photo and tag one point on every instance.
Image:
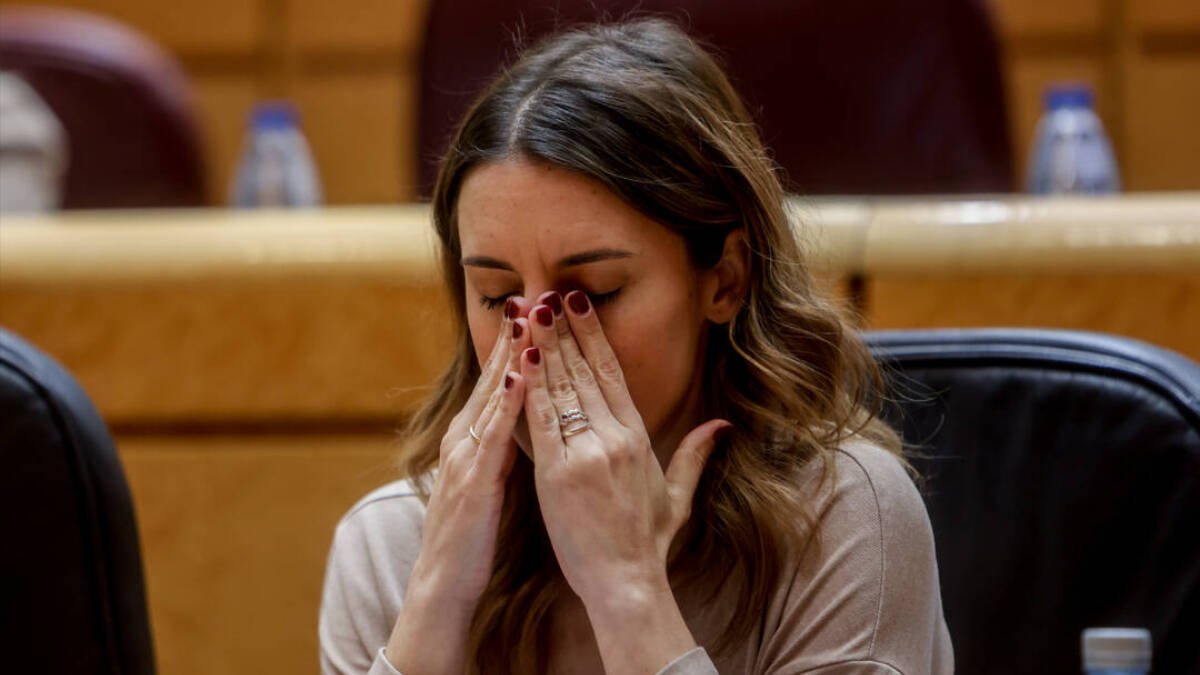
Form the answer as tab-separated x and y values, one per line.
274	115
1068	96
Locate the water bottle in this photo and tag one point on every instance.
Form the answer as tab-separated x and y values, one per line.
1071	153
1116	651
277	168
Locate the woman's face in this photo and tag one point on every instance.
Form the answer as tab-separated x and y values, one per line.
527	228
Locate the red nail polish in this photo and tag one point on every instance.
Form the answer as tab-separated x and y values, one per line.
510	308
517	330
554	300
508	381
544	315
579	303
534	355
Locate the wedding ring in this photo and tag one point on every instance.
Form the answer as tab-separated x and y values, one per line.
573	421
474	434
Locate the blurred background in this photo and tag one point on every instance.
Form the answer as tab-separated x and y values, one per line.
211	215
356	74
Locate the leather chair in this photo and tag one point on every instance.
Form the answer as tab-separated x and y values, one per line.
1062	474
133	140
852	97
72	599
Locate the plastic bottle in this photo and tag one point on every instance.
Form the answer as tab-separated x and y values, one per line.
1071	153
1116	651
276	168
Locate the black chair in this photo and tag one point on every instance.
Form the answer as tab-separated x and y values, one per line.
72	597
1062	475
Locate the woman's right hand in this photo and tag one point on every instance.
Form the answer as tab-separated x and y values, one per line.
458	540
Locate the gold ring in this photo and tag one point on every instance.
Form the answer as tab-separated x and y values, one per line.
578	429
474	435
573	421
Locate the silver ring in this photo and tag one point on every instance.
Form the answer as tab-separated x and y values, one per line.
573	421
474	435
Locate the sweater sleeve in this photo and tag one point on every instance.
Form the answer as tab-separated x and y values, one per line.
695	661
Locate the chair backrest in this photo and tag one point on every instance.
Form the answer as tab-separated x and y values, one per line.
852	97
1062	476
72	597
126	106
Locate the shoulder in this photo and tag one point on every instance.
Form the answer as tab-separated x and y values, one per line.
879	485
380	534
866	588
374	548
384	524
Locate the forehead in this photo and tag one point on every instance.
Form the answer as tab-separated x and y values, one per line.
536	208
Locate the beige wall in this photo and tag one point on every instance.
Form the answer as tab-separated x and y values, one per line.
351	67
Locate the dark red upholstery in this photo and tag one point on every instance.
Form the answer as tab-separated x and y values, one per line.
853	97
124	103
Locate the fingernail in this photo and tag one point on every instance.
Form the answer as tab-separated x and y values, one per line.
579	303
508	380
517	330
554	300
544	315
534	355
510	308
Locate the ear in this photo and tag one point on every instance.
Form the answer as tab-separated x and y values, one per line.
724	285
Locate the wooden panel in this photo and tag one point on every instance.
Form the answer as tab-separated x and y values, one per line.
235	533
361	130
239	350
1029	77
1163	309
395	25
1163	107
1169	15
1038	16
212	25
223	106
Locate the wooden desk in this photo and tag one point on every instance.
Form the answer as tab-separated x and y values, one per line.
254	365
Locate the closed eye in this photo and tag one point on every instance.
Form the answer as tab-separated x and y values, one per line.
493	303
598	299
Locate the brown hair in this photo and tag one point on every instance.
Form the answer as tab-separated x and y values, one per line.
641	108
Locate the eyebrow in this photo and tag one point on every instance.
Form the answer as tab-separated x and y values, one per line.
572	260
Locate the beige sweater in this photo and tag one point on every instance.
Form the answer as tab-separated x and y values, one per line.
864	600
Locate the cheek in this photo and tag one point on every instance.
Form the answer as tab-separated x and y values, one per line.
656	352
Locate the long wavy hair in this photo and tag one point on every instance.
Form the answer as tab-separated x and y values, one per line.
644	110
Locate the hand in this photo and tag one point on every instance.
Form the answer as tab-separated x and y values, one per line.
458	541
610	510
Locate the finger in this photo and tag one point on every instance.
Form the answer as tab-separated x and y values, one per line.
540	414
585	325
558	382
491	371
517	344
497	449
583	381
687	464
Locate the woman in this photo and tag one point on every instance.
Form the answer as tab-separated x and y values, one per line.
671	467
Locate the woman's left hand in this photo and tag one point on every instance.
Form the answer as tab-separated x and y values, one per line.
610	510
